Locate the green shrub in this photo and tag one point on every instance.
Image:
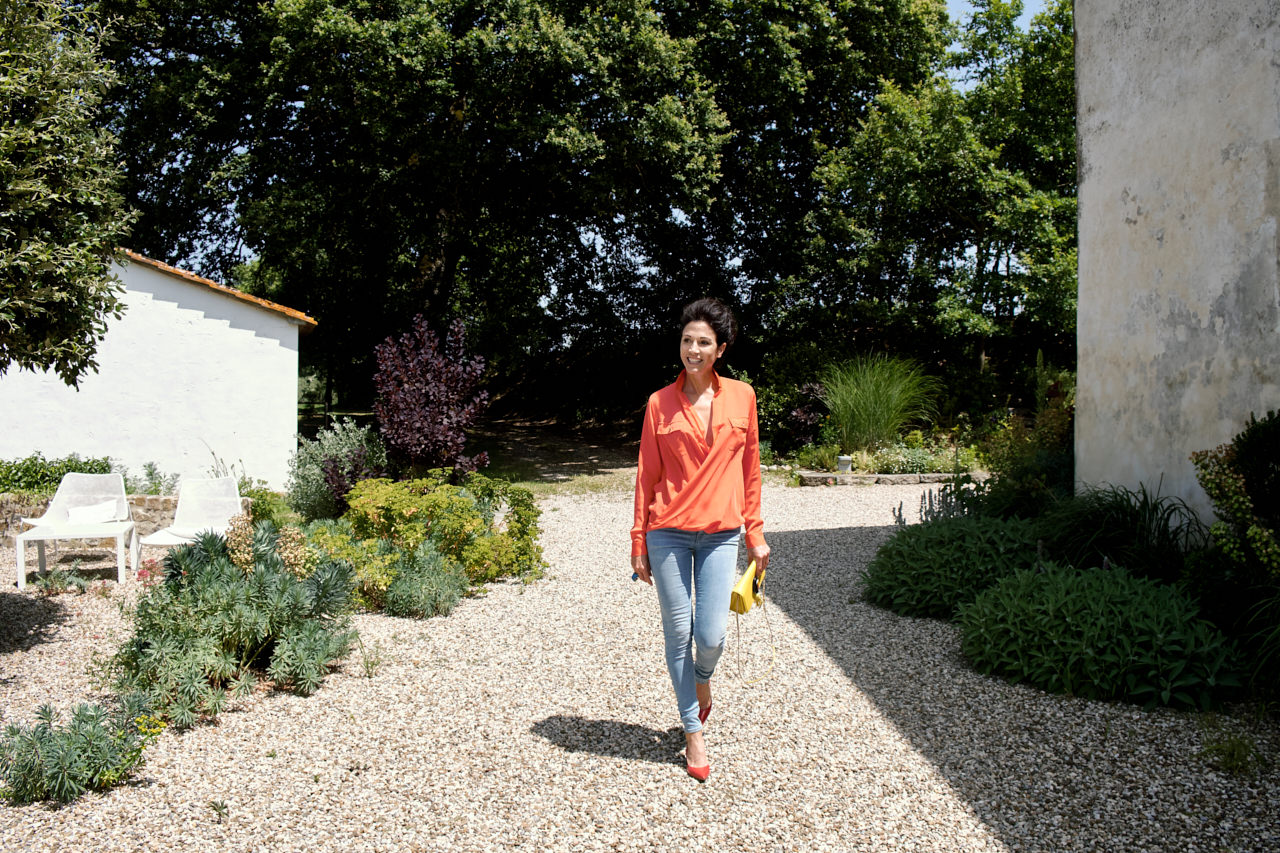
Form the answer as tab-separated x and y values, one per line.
873	397
212	629
37	474
266	504
1100	634
426	584
931	569
1223	472
373	560
1032	465
901	459
152	481
1149	534
57	581
489	526
818	457
1257	451
1239	578
96	750
341	446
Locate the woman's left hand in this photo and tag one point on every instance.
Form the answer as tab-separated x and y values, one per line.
761	555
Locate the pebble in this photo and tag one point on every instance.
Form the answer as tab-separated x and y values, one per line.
539	717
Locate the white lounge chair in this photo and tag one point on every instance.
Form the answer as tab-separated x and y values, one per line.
203	505
85	506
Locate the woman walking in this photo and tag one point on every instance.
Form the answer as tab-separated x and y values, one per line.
697	489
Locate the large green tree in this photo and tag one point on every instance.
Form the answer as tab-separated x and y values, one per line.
565	175
383	159
947	222
61	214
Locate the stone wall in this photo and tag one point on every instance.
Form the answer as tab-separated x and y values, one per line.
150	512
1179	314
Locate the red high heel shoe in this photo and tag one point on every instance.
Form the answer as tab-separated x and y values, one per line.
699	773
703	713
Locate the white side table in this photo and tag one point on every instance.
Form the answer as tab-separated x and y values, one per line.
117	530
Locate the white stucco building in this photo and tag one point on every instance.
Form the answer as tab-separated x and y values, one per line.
192	370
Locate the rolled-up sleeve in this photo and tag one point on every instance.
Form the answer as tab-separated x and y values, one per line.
648	473
752	514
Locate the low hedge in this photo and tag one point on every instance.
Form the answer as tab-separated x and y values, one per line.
37	474
1100	634
931	569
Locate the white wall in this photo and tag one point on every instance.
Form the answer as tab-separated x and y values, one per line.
185	374
1179	318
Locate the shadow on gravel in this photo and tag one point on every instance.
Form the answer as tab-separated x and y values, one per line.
26	620
612	738
1038	771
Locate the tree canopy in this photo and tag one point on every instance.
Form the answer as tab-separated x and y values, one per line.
61	214
564	176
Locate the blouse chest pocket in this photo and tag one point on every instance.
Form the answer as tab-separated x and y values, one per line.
675	440
735	432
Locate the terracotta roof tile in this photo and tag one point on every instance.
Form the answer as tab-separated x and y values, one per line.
298	317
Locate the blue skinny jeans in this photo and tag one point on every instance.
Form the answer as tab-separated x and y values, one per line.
688	566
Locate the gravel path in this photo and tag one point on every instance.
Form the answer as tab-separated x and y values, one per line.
539	717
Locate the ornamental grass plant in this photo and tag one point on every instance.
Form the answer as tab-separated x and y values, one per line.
873	397
1149	534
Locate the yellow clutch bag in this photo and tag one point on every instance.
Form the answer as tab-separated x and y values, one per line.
747	591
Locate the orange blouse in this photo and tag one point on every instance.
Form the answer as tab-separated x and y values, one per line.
685	484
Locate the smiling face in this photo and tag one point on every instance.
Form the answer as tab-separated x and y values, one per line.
698	348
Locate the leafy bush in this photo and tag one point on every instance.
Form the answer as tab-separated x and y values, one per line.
96	750
426	584
871	398
1100	634
266	504
1032	465
927	458
931	569
1223	472
352	448
1239	578
374	560
428	397
37	474
900	459
1257	452
821	457
788	401
57	581
489	526
153	481
1148	534
212	628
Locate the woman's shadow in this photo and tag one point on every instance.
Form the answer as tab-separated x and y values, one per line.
612	738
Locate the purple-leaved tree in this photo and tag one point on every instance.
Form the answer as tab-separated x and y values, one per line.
428	397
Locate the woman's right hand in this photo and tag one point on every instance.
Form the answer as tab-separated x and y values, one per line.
640	565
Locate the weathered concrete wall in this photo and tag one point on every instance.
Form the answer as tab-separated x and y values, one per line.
1179	320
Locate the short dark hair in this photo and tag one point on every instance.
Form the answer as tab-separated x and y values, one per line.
715	314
